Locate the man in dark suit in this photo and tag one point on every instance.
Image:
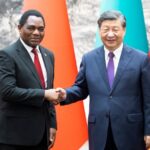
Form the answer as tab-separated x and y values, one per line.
117	79
27	117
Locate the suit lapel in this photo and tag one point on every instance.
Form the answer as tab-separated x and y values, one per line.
48	66
27	60
100	60
124	61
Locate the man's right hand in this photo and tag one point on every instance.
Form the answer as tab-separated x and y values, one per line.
62	93
52	95
147	142
55	95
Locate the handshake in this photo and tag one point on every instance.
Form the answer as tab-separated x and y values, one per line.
55	95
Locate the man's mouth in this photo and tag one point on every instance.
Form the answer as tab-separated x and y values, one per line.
35	39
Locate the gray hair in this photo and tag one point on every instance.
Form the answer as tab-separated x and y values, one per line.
112	15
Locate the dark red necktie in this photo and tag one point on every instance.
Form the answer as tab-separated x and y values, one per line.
38	67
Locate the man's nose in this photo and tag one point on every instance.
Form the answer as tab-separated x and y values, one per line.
36	31
110	34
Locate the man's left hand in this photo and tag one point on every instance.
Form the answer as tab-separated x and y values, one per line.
147	142
52	137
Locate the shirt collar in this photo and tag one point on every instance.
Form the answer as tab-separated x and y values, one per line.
117	52
29	48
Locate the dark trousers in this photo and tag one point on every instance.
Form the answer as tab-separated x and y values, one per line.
41	146
110	144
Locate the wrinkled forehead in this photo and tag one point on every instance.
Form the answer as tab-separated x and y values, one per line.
34	20
115	22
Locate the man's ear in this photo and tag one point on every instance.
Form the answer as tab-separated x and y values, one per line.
19	27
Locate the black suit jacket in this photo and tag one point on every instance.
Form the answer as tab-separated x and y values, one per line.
24	115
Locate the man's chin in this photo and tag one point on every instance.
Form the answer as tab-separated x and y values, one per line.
112	45
34	44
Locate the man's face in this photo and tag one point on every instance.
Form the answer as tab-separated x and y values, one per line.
32	32
112	34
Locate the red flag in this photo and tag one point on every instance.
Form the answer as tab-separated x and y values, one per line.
72	127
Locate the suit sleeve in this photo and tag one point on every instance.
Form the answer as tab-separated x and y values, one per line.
79	90
146	95
52	111
52	116
8	89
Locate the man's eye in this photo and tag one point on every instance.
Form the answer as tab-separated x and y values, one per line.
31	28
116	29
105	30
41	29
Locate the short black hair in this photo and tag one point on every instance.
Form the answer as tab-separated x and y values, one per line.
28	13
112	15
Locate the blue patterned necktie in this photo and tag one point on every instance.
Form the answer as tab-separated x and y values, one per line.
110	68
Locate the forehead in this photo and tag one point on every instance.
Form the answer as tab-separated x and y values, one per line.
111	23
34	20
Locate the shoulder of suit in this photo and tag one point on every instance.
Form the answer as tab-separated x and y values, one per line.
135	51
11	49
94	51
9	52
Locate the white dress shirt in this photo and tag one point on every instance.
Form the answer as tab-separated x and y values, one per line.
116	58
29	50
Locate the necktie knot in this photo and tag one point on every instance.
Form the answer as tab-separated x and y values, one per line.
111	54
34	51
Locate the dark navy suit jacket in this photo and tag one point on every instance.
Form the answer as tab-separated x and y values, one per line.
126	104
24	115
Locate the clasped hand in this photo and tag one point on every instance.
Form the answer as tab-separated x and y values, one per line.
55	95
147	142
